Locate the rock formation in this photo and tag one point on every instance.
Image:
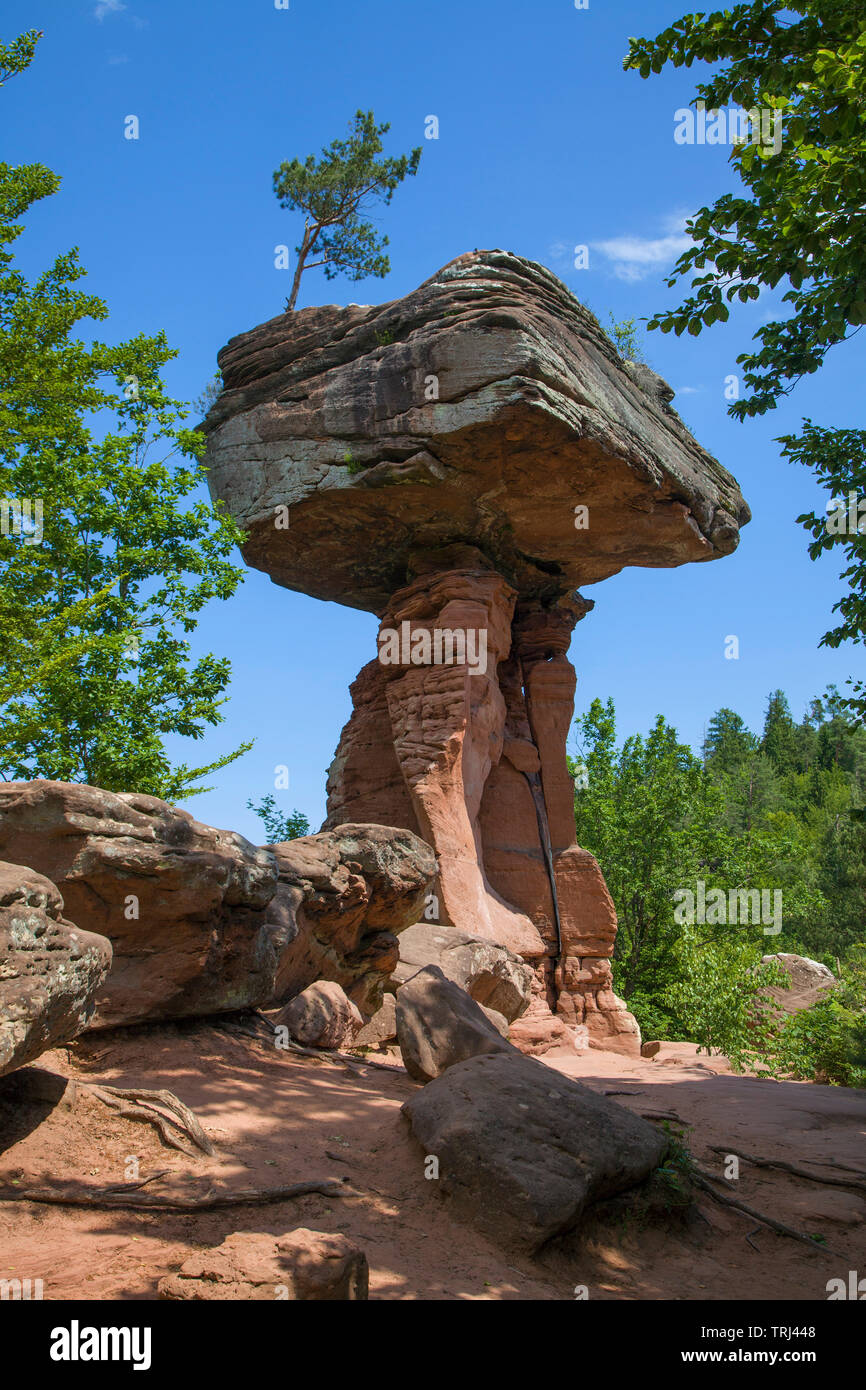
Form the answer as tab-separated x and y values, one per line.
203	922
348	892
438	1025
49	969
458	462
303	1266
523	1150
322	1015
495	977
809	982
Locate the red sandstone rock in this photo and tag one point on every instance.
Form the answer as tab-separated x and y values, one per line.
321	1016
522	1150
182	904
203	922
809	982
493	976
438	1025
382	1027
348	892
49	968
473	758
498	406
496	409
303	1266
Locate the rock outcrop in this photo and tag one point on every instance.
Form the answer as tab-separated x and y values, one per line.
381	1030
457	462
202	921
438	1025
303	1266
809	982
494	977
183	905
523	1150
483	407
49	968
348	892
321	1016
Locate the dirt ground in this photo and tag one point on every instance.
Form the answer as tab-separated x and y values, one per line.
276	1117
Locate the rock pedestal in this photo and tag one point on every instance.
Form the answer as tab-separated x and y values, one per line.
458	462
470	755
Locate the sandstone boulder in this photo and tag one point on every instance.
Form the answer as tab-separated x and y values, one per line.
202	921
321	1016
499	1021
493	976
438	1025
183	905
349	891
809	979
382	1027
50	970
523	1150
304	1266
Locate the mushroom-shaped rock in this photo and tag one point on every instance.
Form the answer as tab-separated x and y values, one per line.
483	408
459	461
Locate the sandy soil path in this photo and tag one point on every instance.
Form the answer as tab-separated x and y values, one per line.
279	1118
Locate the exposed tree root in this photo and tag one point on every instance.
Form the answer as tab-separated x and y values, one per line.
792	1168
705	1180
129	1198
134	1104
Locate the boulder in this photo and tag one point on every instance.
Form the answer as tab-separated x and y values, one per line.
438	1025
183	905
382	1028
809	979
494	976
50	970
202	921
321	1016
523	1150
499	1021
348	892
304	1266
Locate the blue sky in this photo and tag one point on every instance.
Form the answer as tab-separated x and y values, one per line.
544	144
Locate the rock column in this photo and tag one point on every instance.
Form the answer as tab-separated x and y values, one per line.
459	733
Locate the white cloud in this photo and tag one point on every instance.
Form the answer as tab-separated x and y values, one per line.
636	257
689	390
561	254
108	7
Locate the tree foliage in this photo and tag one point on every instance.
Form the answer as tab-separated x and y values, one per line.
775	811
800	223
838	459
106	596
804	222
280	827
332	193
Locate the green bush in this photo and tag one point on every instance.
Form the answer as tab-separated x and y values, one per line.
827	1043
